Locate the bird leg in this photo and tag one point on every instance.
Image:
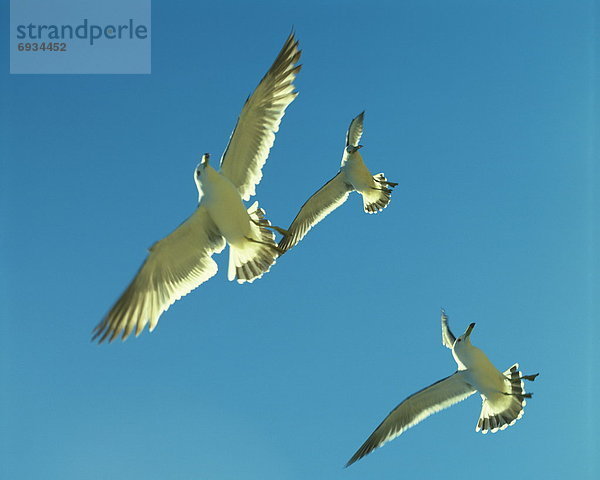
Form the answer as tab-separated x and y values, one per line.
280	251
277	229
518	395
386	190
282	231
391	184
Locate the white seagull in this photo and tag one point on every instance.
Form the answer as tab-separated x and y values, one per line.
353	176
503	394
182	261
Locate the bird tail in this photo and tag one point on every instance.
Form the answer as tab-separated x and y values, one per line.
252	257
378	196
503	410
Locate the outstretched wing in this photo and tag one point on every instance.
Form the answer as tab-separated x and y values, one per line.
448	337
353	135
322	203
355	130
414	409
175	266
255	130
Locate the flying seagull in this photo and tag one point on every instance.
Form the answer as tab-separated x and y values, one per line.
182	261
353	176
503	394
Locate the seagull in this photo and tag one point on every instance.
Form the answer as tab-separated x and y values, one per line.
503	394
353	176
182	261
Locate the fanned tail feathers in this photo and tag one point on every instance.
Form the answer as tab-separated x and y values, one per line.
380	196
249	260
492	420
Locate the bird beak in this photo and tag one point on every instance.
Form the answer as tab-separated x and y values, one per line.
205	158
358	147
469	330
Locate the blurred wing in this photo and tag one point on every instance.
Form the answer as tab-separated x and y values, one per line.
414	409
448	337
255	130
175	266
355	130
326	200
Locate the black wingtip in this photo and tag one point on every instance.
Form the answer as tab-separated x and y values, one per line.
291	38
357	456
95	334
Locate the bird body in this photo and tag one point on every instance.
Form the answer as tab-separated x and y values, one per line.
479	371
503	394
224	205
252	248
356	173
373	188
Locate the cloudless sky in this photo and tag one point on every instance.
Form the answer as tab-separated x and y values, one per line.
484	112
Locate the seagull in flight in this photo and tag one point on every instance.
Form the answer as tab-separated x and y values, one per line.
503	394
182	261
353	176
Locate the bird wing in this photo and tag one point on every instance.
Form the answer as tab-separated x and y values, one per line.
355	130
416	408
353	135
254	133
175	266
322	203
448	337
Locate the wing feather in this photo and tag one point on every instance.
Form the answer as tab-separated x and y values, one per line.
355	130
175	266
254	133
448	337
329	197
414	409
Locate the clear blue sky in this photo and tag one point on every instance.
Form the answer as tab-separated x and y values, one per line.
483	111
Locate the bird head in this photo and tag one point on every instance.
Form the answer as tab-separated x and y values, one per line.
202	165
353	149
199	174
465	338
205	159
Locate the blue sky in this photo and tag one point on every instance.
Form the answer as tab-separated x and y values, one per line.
483	111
